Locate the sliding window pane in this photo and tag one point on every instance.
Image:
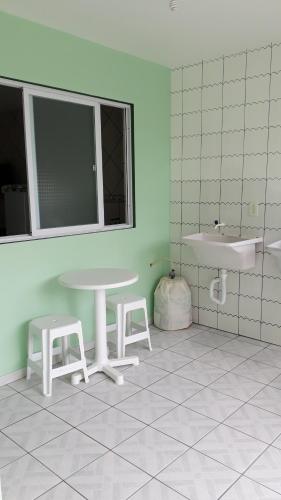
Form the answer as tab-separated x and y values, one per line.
66	164
14	211
113	132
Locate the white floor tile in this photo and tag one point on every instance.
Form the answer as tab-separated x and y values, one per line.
164	340
213	404
201	373
245	489
191	349
210	339
266	470
276	382
256	422
184	425
144	374
69	453
78	408
269	356
268	399
61	492
241	348
176	388
9	451
36	430
150	450
22	384
60	391
108	478
111	427
26	479
222	359
6	391
168	360
146	406
15	408
231	447
260	372
154	490
111	393
198	477
237	386
141	350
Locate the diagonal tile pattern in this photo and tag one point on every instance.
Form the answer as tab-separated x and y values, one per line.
150	450
198	477
244	489
266	470
231	447
108	478
256	422
69	453
44	425
146	406
61	492
175	388
199	419
85	407
26	479
111	427
9	451
184	425
213	404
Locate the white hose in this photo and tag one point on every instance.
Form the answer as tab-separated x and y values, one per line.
221	281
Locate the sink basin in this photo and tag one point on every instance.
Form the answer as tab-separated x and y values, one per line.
222	251
275	249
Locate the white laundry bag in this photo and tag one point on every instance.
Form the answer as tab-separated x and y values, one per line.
172	304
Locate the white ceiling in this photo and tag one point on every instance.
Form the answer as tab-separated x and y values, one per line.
148	29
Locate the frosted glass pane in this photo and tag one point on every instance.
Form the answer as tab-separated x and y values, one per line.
65	155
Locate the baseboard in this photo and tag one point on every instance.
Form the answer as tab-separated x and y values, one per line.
12	377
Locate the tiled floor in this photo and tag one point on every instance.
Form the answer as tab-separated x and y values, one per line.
199	419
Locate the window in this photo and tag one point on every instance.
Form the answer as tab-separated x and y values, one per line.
65	163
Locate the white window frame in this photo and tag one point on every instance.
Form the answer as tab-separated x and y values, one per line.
30	91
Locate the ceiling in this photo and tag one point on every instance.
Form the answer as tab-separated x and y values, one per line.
197	29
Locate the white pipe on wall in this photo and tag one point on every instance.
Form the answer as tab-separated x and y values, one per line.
221	281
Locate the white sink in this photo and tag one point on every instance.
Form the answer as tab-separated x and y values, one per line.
275	249
222	251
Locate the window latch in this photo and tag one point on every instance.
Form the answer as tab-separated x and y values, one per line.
94	167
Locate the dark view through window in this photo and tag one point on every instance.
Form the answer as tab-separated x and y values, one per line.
113	159
14	212
66	164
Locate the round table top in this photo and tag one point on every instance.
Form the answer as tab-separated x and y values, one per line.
98	279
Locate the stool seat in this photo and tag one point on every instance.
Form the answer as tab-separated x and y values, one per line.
128	331
114	300
49	328
53	322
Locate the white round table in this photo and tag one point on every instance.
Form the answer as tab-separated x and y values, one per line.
100	280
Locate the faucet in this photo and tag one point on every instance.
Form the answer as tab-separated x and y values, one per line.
219	225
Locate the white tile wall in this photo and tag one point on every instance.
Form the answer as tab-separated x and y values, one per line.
225	154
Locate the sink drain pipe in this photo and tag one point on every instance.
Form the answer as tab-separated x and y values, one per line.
221	293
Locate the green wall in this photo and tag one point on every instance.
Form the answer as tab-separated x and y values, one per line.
29	270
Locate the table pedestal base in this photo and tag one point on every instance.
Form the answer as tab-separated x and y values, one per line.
108	369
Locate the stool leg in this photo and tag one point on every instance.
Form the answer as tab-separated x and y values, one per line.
147	328
120	334
65	355
129	323
123	334
82	354
47	363
29	354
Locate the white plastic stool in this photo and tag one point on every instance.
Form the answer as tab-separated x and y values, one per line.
49	328
123	305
